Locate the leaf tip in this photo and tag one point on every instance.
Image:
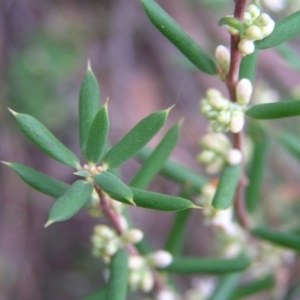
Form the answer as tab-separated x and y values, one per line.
89	68
180	122
169	109
13	112
5	163
196	206
49	222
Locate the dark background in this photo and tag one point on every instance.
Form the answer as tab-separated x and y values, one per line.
44	48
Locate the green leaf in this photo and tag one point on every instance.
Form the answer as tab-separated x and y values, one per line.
135	139
89	103
82	173
114	187
225	287
66	206
290	56
176	236
232	22
257	166
45	140
156	160
248	66
178	37
97	295
284	30
39	181
195	265
227	185
97	137
291	142
177	173
284	239
158	201
274	110
254	287
118	278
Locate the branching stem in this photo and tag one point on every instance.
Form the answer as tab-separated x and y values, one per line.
231	82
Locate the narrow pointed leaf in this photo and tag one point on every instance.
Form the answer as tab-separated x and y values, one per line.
254	287
118	278
257	166
82	173
156	160
97	295
159	201
227	185
176	236
89	104
178	37
284	30
176	172
66	206
39	181
291	142
135	139
45	140
284	239
248	66
276	110
114	187
97	137
232	22
226	287
195	265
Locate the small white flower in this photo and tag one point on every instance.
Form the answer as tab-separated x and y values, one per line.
224	117
246	47
237	121
254	11
234	157
134	236
263	20
147	281
136	262
253	33
160	258
267	30
206	156
247	20
244	91
223	56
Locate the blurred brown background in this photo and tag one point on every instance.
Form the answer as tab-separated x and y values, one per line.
44	48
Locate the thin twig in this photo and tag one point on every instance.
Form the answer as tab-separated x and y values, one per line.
231	82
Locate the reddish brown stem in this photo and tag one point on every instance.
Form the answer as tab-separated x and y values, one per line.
231	82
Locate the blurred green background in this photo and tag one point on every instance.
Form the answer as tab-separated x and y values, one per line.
44	48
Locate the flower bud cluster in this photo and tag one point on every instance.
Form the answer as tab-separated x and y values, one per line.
257	26
140	276
106	241
217	152
223	114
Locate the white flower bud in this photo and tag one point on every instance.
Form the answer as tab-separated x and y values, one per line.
216	166
218	103
234	157
246	46
136	262
208	191
205	107
111	248
134	279
104	231
237	121
263	20
206	156
166	295
224	117
160	258
223	56
254	11
243	91
247	20
123	222
231	30
218	128
134	236
147	282
213	93
267	30
253	33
